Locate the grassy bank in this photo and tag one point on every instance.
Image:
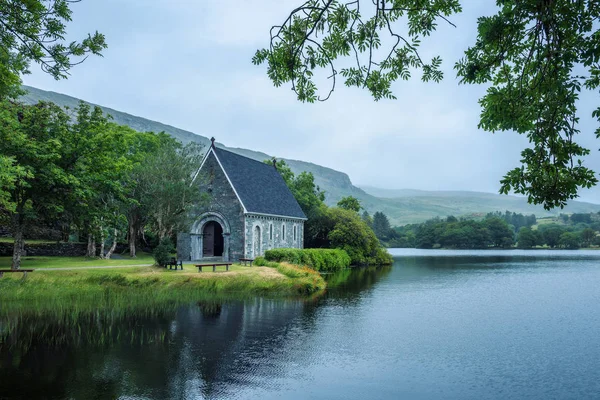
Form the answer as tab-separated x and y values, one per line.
121	287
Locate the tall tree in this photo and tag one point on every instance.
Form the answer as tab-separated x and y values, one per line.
34	30
587	237
551	234
142	147
166	186
500	232
349	203
33	135
381	225
367	218
535	56
526	238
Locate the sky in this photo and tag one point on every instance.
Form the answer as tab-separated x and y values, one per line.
187	63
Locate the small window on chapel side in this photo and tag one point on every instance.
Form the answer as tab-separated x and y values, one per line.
270	231
283	232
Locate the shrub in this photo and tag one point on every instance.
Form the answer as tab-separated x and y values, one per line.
382	257
260	261
318	259
162	252
352	234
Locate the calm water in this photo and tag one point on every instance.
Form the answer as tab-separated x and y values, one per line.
436	325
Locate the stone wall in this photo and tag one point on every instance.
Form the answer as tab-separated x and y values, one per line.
275	239
184	246
46	249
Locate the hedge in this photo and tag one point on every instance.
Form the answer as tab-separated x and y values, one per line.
318	259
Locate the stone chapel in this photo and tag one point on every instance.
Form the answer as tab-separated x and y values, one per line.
250	209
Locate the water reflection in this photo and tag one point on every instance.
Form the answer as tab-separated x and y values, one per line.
200	350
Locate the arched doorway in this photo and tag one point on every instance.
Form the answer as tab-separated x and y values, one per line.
256	246
212	240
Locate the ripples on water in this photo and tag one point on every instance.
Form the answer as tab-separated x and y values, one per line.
437	324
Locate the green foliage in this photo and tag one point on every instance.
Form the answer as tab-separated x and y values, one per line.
501	235
517	220
461	233
581	218
310	198
34	30
35	140
569	240
284	170
318	32
351	234
318	259
10	173
527	238
551	234
535	56
349	203
163	186
162	252
381	226
334	227
587	237
260	261
367	219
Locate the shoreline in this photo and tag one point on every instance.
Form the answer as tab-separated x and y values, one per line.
125	287
497	248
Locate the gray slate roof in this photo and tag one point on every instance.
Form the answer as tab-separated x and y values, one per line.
260	187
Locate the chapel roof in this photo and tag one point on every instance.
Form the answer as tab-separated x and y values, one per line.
259	186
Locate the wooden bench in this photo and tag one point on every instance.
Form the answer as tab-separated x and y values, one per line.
245	260
174	263
214	265
24	271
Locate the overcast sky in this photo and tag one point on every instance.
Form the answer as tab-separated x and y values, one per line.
188	64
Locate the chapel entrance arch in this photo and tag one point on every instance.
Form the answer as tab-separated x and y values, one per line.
210	237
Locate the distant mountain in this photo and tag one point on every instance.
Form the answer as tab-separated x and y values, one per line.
418	205
401	206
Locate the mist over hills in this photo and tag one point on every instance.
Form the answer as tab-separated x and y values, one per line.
401	206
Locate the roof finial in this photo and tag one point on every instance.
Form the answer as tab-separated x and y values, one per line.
212	142
274	162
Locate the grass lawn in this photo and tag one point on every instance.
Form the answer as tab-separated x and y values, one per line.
74	262
124	288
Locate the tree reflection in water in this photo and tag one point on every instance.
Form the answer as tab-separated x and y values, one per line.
203	349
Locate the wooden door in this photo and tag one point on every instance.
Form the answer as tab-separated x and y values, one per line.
208	240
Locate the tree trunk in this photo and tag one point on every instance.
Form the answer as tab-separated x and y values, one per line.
113	246
91	246
19	243
133	235
65	231
101	242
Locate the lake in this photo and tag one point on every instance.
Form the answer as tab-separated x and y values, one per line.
435	325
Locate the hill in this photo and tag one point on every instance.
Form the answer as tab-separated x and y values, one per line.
401	206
